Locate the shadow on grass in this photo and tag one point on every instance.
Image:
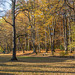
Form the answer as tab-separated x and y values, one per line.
50	59
6	74
40	66
41	60
37	71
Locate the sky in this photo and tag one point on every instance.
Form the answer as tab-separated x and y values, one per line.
4	6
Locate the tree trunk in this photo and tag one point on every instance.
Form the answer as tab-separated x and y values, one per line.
69	35
52	38
65	32
33	41
46	49
49	34
39	42
14	32
33	30
28	43
54	35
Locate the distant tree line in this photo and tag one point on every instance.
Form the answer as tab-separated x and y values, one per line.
38	24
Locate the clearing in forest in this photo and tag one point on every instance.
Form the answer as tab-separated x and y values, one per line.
35	65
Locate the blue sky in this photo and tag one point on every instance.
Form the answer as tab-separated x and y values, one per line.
4	7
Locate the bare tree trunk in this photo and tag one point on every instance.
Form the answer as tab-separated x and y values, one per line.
14	31
52	38
65	32
33	30
25	44
28	43
39	41
52	46
49	34
21	44
69	35
46	49
33	40
54	35
39	46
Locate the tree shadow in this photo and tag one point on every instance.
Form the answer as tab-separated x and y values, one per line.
41	66
50	59
37	71
6	74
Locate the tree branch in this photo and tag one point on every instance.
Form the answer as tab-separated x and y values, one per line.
68	4
7	21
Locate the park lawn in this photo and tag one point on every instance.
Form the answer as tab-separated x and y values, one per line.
35	65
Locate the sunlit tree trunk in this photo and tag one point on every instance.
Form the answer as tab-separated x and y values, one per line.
54	35
65	30
69	34
33	30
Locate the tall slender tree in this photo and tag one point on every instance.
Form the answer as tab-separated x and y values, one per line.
14	31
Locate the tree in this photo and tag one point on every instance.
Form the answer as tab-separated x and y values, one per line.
40	25
14	31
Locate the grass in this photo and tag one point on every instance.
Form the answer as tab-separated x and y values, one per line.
35	65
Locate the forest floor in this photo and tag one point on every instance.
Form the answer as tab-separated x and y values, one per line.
32	64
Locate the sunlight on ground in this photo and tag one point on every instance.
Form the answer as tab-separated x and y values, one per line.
27	65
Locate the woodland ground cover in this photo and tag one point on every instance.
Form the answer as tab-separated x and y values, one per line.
32	64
